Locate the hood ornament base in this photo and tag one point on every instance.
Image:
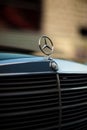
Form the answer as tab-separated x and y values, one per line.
46	46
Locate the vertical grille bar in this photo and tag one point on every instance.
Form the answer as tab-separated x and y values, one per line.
60	104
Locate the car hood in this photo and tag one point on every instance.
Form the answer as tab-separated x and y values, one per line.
7	56
64	66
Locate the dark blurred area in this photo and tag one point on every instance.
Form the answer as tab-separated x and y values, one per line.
83	31
20	14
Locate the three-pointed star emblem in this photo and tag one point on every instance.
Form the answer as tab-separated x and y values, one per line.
46	45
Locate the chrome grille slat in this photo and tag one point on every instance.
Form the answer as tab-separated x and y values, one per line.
27	102
77	126
25	98
78	84
35	121
22	89
27	117
25	83
27	107
28	93
36	126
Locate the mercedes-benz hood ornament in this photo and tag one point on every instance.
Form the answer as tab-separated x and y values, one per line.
46	45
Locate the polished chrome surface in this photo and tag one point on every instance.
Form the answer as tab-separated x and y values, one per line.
46	45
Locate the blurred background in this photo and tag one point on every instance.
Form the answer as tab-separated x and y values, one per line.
22	22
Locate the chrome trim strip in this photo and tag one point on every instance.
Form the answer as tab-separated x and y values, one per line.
77	88
11	74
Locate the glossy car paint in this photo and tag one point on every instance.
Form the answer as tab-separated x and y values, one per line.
18	63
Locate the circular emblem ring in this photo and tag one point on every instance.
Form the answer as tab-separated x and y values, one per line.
46	45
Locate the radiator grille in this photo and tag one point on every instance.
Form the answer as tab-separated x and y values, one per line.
74	101
29	102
